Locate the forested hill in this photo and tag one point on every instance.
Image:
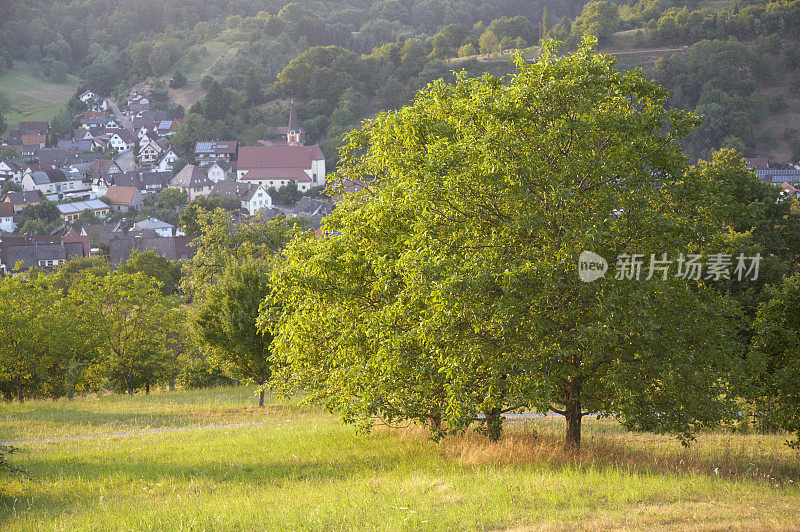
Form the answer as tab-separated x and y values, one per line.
735	62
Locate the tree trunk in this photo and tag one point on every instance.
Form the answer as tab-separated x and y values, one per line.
172	386
147	388
573	415
130	388
494	424
435	421
261	398
20	394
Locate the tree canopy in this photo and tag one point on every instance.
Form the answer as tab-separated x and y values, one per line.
447	288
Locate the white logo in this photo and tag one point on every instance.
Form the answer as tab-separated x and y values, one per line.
591	266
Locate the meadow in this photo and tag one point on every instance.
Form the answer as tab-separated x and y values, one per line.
30	96
287	466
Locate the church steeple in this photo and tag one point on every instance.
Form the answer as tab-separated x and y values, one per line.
295	136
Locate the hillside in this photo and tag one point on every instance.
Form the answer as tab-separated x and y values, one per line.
31	96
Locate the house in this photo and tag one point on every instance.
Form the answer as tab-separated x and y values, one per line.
208	151
193	180
776	177
122	140
18	200
75	145
150	150
35	140
41	252
309	207
101	167
121	246
123	199
789	190
13	169
87	96
166	127
251	196
72	211
28	151
7	217
33	128
162	229
134	108
145	181
167	161
295	135
54	183
758	163
220	170
277	166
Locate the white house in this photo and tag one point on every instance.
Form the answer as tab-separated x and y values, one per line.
123	140
168	160
252	197
151	150
13	169
51	183
162	229
7	217
219	171
87	96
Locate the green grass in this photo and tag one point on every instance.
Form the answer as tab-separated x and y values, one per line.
308	471
31	96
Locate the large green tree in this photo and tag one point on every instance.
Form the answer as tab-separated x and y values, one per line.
448	287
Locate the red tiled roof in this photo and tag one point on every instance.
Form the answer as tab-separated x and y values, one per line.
251	157
120	195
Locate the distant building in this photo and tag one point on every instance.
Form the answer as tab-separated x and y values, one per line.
295	135
40	252
276	166
72	211
251	196
162	229
207	152
193	180
123	199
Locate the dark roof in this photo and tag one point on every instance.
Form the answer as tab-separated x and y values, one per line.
235	189
779	176
23	198
215	147
31	251
30	128
15	163
191	176
142	180
171	248
313	207
758	163
48	176
6	210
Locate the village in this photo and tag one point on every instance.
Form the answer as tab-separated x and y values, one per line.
119	161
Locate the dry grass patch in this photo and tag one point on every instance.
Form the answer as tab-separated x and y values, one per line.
738	457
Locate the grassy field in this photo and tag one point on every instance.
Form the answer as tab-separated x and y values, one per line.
31	96
302	469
